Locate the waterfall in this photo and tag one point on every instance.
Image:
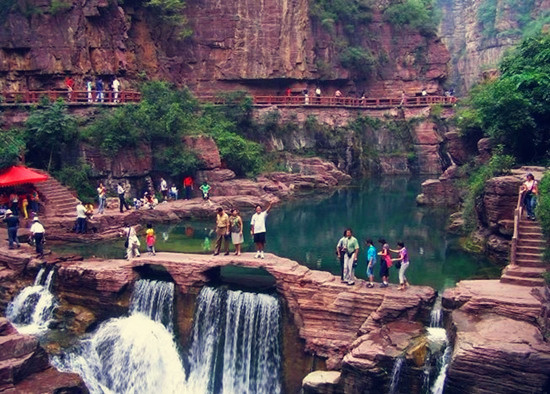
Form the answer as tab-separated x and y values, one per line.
135	354
443	365
396	371
436	314
32	309
235	344
154	299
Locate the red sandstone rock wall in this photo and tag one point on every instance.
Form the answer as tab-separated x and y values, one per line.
262	46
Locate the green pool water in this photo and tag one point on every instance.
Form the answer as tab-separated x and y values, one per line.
307	230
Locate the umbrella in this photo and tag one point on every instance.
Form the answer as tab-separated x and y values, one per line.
17	175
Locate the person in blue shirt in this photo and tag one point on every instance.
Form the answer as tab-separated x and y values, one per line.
371	261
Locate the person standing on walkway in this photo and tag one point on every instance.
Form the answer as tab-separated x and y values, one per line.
99	89
38	232
89	88
121	198
101	197
351	251
12	222
385	262
530	190
222	232
188	185
115	85
371	261
318	94
69	82
258	229
80	218
403	264
236	231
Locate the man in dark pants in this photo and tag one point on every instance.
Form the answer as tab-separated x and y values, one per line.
12	223
37	231
121	198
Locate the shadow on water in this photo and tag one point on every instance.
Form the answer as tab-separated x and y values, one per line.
307	230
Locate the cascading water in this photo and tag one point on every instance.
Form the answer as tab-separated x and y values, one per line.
236	343
32	309
135	354
396	372
439	344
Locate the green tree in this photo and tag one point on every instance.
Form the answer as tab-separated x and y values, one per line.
49	132
12	145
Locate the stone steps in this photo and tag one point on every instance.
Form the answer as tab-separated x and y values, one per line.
530	249
524	272
532	242
59	201
531	263
522	281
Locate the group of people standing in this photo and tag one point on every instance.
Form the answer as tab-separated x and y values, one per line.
347	250
96	86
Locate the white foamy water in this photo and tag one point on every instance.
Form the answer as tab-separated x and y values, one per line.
31	311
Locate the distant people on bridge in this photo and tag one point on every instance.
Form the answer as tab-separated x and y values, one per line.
363	97
12	223
529	190
288	94
69	83
318	94
385	262
258	229
306	97
115	85
236	230
89	88
338	95
38	233
99	88
223	232
402	263
403	99
188	186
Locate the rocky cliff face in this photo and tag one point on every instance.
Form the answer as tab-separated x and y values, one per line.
261	46
477	33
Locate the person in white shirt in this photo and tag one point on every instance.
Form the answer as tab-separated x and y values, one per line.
80	218
37	231
122	200
132	243
116	87
164	189
257	229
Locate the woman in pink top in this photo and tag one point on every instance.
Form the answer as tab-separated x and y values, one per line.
404	260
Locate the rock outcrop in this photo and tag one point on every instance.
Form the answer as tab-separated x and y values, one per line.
24	366
498	346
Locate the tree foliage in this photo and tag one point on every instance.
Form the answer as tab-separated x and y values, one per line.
417	14
12	145
515	108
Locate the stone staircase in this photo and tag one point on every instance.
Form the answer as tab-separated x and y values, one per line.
529	264
56	198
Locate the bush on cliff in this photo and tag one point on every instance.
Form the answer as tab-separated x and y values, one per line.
543	206
515	108
417	14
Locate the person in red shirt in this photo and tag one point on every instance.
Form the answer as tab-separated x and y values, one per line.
188	185
69	82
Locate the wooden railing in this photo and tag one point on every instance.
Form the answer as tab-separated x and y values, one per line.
517	217
76	96
349	102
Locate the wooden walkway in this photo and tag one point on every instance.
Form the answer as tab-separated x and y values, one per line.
83	97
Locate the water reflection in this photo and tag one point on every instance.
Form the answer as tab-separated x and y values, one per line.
307	231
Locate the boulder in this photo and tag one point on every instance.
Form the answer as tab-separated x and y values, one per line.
322	382
455	147
206	150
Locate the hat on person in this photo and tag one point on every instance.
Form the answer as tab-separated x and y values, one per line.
35	219
8	212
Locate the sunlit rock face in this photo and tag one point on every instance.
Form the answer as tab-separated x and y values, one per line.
263	47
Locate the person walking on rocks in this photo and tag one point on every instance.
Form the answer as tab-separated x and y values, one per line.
402	262
258	229
80	218
121	198
530	190
132	243
164	189
351	251
340	250
12	222
101	197
385	262
371	261
236	231
188	185
222	232
38	232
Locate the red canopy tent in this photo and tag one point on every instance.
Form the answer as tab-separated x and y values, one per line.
17	175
